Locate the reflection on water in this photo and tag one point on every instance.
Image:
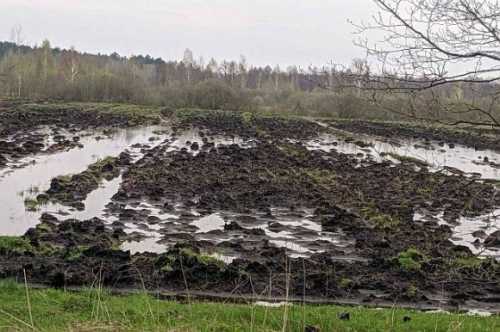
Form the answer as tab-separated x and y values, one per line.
209	223
465	231
296	248
462	158
150	243
95	203
438	156
14	184
300	235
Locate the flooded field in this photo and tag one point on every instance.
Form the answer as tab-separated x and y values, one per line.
32	175
437	157
227	197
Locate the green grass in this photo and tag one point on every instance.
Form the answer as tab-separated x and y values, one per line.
57	310
380	220
411	260
14	244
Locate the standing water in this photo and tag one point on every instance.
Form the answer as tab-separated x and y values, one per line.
17	184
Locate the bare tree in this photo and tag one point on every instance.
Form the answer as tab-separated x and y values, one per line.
242	70
16	35
432	47
188	60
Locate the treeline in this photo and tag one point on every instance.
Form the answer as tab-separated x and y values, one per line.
44	72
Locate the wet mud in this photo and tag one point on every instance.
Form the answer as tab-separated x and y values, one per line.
25	127
478	138
72	190
242	204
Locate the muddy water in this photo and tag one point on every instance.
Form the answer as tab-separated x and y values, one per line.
484	164
470	232
150	243
438	156
95	204
300	235
18	184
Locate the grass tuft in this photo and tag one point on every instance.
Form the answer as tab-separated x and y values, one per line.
411	260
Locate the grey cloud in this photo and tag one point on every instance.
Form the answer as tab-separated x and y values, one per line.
271	32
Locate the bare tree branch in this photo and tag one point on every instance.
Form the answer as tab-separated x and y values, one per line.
437	46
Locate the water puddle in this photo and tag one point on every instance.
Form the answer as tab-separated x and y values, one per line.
150	242
21	183
479	313
95	203
471	232
297	249
279	235
209	223
151	211
272	304
439	156
295	232
300	235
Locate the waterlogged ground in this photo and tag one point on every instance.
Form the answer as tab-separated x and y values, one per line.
436	156
29	176
240	204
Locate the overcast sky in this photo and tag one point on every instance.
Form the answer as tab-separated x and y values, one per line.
283	32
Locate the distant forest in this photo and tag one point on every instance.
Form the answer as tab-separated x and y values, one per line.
47	73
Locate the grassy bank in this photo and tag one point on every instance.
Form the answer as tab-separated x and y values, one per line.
56	310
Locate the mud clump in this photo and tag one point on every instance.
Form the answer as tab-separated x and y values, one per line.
77	116
68	233
289	175
3	160
21	146
72	252
493	240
